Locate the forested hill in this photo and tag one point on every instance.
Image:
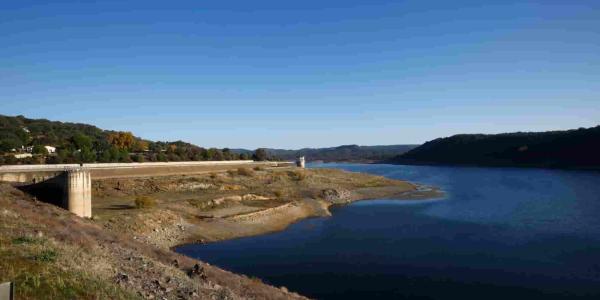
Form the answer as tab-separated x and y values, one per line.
579	148
341	153
24	140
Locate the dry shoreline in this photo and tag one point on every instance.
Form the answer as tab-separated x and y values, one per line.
177	223
310	209
125	252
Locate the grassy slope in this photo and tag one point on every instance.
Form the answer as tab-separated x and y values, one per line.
51	254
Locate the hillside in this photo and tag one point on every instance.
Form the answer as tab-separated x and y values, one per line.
577	148
340	153
26	141
124	250
50	253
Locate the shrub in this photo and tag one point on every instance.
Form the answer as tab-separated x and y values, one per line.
23	240
297	175
259	168
278	193
245	172
231	173
47	256
145	202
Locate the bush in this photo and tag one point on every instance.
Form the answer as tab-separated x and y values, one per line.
297	175
139	158
144	202
278	193
46	256
259	168
23	240
245	172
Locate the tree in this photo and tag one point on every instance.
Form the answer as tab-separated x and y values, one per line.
140	146
123	140
244	156
260	154
86	155
124	156
227	155
161	157
139	158
9	143
104	156
114	154
81	141
39	149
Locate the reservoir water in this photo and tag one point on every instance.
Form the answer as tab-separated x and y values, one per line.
498	232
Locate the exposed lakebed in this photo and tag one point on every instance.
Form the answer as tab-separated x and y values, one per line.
498	232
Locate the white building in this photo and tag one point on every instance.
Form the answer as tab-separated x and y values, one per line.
50	149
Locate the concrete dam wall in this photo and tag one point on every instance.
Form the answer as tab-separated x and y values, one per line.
70	185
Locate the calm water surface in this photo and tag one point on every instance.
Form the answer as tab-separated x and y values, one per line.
498	233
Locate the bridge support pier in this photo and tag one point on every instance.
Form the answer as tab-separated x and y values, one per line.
77	195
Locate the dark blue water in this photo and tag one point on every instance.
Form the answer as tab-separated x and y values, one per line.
498	233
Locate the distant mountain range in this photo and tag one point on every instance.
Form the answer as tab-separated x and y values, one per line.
579	148
340	153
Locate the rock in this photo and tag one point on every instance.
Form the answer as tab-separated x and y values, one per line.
251	197
334	194
197	271
122	278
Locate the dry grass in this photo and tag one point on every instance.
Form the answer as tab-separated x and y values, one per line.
38	269
297	175
245	172
145	202
52	254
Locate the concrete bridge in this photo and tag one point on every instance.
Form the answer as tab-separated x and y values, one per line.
70	185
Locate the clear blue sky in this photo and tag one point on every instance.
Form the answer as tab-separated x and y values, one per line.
291	74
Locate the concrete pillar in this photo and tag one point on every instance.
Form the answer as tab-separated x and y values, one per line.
300	162
78	192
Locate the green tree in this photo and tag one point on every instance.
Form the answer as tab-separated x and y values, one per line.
81	141
139	158
39	149
104	156
9	143
161	157
124	156
260	154
86	155
114	153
